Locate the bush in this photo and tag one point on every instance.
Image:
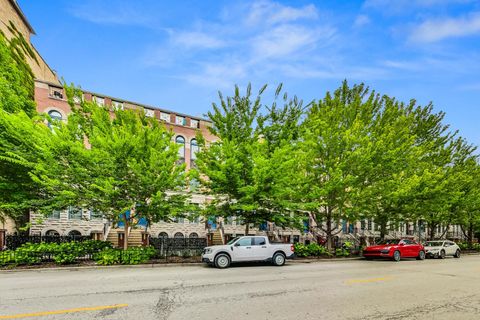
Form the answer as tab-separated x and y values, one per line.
134	255
60	253
466	246
312	249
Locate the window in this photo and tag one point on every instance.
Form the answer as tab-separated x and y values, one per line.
165	116
193	235
99	101
149	113
259	241
56	93
163	235
244	242
369	223
52	233
193	152
74	213
95	214
74	233
55	115
193	123
362	225
54	215
180	121
178	235
116	105
181	151
229	221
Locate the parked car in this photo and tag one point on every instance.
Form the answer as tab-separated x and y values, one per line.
395	249
246	249
441	249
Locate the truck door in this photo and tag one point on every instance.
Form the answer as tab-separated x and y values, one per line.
242	250
260	248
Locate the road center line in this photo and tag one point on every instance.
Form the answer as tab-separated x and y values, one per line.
46	313
355	281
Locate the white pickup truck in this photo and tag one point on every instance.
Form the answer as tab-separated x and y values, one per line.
248	248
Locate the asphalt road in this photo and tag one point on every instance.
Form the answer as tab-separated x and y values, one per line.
359	289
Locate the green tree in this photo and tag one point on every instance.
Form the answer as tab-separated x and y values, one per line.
237	168
16	96
114	162
332	157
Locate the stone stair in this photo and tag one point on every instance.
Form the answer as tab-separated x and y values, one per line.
217	238
134	239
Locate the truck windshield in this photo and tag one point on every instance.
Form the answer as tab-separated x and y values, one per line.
233	240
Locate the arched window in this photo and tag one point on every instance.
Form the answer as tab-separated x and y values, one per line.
163	235
193	152
52	233
75	233
178	235
181	150
193	235
55	115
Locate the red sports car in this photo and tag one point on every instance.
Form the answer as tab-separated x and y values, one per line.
395	249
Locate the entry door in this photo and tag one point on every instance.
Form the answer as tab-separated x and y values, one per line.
242	250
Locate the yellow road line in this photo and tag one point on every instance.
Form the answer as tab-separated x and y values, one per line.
354	281
46	313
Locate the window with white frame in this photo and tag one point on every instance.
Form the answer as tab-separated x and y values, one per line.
181	150
99	101
74	213
165	116
56	92
55	214
117	105
193	123
180	120
149	113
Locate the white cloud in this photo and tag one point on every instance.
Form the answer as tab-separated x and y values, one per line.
439	29
108	13
196	39
286	40
406	5
272	13
361	20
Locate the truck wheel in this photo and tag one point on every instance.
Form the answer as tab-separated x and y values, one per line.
396	256
279	259
421	255
457	254
222	261
442	254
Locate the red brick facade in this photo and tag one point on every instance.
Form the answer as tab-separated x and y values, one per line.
51	97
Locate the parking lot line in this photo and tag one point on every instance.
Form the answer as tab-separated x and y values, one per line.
46	313
370	280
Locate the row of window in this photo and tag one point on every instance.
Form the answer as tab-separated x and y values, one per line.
75	213
193	149
177	235
179	120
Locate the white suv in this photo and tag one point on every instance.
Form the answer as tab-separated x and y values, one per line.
441	249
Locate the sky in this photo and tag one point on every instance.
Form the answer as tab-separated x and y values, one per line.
177	55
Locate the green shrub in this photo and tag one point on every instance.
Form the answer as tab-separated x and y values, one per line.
6	257
134	255
312	249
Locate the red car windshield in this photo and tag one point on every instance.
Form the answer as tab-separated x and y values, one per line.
388	242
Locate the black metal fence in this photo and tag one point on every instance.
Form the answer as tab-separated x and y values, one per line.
15	241
183	247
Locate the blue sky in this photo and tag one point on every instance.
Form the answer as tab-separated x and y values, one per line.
178	54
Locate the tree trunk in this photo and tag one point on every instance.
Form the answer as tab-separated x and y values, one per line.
383	229
470	235
125	228
329	230
431	230
247	228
